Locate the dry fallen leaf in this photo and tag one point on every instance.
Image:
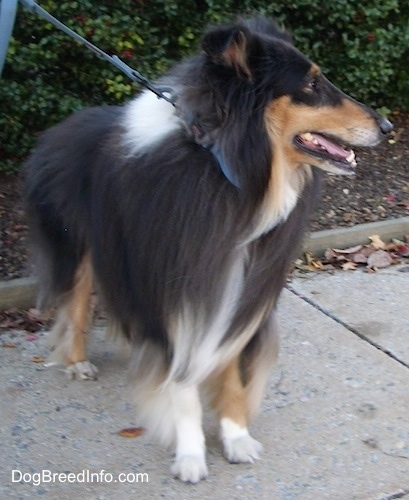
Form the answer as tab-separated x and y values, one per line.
400	247
330	255
315	264
132	432
9	343
17	319
379	259
375	255
357	254
309	256
31	337
37	359
360	258
349	266
35	313
309	263
377	242
348	251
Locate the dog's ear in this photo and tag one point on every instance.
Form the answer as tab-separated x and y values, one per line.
228	46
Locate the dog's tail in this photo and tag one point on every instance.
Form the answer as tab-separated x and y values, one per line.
56	244
57	193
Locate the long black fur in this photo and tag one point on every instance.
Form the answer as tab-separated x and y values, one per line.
164	224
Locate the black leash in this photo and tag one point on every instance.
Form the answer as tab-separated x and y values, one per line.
166	93
161	92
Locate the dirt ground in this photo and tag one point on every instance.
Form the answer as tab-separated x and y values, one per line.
378	191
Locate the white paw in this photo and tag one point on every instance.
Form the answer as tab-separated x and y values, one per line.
239	446
242	449
189	468
83	370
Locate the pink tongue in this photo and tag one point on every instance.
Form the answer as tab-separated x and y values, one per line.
332	148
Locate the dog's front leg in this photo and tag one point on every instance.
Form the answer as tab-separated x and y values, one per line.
190	460
230	402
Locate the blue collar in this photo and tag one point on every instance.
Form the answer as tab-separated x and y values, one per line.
230	176
200	134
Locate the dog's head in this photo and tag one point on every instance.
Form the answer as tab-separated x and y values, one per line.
265	94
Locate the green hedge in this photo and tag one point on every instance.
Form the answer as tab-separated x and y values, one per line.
362	46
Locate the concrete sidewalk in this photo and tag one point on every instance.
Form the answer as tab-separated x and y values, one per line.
334	421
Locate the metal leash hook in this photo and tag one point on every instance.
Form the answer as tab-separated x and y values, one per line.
162	93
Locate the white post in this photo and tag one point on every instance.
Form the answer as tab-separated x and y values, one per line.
7	15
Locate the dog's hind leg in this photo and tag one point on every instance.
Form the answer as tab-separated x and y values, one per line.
68	337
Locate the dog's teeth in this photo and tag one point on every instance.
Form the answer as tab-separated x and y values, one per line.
351	157
308	137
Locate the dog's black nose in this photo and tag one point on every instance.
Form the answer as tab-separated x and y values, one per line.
385	125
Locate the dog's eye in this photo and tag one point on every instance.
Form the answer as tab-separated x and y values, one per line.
312	85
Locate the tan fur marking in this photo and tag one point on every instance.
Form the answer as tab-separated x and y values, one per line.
236	56
315	70
229	396
78	311
350	122
287	179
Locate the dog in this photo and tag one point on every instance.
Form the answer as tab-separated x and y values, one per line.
186	219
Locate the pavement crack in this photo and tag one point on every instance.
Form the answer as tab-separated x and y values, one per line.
399	494
348	327
373	443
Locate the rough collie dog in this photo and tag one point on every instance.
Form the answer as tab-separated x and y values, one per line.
186	219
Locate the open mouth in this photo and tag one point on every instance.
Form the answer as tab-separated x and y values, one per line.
322	147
